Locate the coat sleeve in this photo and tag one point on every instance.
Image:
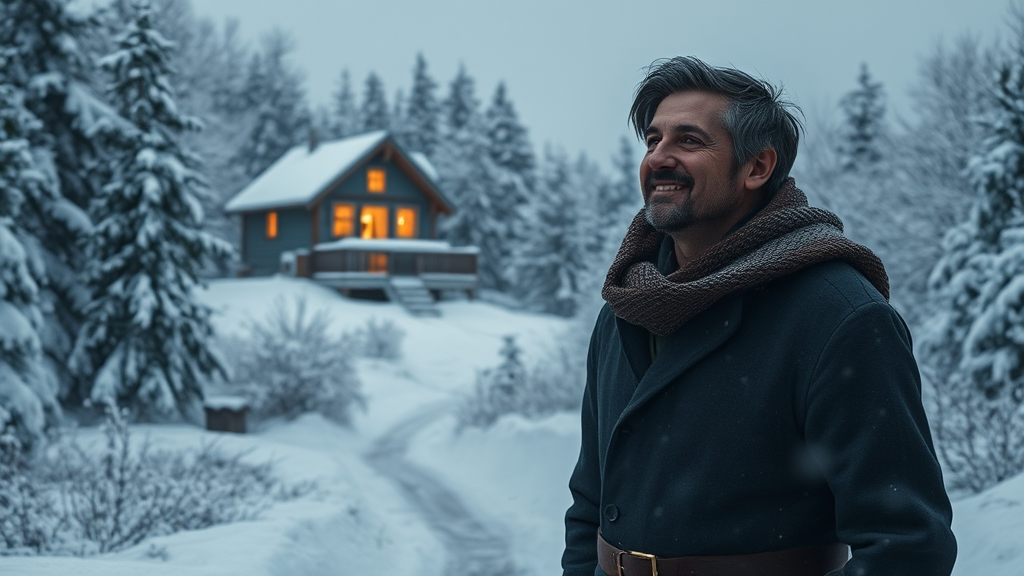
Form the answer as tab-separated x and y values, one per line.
867	427
582	520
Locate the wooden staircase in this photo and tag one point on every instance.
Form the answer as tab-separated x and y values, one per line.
412	293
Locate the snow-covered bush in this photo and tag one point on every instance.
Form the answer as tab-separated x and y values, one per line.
379	339
974	346
292	363
30	522
74	499
510	388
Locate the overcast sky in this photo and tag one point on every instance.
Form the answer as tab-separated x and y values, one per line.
571	66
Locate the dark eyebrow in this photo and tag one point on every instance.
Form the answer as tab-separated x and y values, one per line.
680	129
684	128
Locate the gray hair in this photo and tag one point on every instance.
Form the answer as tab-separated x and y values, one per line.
757	117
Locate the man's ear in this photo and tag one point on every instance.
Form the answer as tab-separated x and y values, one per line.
758	169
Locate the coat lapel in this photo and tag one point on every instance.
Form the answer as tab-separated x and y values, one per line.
635	346
694	341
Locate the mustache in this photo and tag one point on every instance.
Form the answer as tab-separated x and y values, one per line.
667	176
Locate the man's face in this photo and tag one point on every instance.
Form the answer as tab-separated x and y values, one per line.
687	175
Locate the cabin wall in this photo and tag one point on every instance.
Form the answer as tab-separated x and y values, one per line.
262	254
400	191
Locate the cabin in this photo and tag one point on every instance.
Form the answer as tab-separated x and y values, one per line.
357	214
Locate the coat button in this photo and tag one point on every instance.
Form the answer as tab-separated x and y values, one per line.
611	512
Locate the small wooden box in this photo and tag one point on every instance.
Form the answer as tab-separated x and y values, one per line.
226	413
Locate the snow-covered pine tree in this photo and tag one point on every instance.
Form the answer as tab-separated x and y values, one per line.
28	392
559	245
419	130
620	198
397	117
503	389
273	89
347	121
513	159
146	339
375	113
864	108
975	346
48	64
469	177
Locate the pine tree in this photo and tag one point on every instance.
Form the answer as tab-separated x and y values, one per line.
552	266
864	108
397	117
48	63
471	184
28	392
374	111
513	159
419	130
619	198
146	340
347	121
274	90
975	346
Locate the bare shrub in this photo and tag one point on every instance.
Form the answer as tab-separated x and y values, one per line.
70	500
292	363
980	440
379	339
30	521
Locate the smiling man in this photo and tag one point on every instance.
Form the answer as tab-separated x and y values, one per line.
752	406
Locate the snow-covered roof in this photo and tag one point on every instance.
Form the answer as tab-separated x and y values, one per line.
300	175
396	245
424	164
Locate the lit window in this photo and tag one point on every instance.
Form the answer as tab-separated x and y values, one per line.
271	224
341	223
373	222
405	222
375	181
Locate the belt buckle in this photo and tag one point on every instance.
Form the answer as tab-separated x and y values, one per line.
651	557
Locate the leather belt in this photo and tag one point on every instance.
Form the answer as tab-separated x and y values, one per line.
813	561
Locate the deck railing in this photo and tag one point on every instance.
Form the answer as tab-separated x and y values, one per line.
380	258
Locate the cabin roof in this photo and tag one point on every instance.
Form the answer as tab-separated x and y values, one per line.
301	176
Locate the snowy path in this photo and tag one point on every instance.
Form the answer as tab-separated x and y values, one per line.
473	549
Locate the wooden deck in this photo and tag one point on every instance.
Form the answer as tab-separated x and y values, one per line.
370	264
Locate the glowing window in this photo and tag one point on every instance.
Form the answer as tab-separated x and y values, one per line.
271	224
405	222
342	220
373	222
375	180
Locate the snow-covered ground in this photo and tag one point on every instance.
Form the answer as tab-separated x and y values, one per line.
511	478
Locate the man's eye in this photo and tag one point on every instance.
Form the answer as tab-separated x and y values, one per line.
691	140
652	143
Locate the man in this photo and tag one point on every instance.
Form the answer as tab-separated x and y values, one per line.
752	402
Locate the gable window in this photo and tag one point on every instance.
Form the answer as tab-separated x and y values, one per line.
405	222
342	217
373	222
375	180
271	225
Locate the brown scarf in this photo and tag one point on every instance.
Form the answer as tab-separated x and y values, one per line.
786	236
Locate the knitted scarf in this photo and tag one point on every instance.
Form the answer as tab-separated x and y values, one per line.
785	236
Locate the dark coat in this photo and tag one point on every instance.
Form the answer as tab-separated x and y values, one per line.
785	417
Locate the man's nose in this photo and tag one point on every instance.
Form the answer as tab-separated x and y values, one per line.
659	158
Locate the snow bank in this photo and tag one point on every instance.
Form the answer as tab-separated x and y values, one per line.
989	530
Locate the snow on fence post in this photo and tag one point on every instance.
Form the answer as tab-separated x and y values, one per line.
226	413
